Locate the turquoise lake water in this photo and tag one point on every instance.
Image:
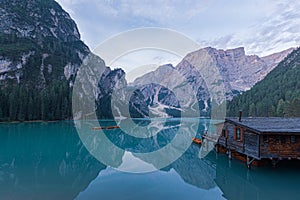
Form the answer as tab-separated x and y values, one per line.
53	161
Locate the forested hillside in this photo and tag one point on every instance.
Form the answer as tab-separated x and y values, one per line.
278	94
40	52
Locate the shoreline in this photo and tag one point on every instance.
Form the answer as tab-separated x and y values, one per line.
32	121
51	121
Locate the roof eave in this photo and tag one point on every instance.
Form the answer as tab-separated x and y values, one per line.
243	125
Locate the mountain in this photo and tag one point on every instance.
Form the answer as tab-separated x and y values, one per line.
40	54
241	71
40	43
278	94
238	71
37	19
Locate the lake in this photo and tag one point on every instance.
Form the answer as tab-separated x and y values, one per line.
60	160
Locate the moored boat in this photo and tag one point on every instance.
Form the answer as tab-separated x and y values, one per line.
197	140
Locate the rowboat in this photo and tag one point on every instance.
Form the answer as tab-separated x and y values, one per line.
197	140
105	127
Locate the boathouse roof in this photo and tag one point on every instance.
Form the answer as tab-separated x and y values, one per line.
268	124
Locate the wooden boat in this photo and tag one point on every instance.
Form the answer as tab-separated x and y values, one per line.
111	127
97	128
197	140
105	127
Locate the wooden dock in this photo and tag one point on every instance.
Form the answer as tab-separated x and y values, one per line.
211	137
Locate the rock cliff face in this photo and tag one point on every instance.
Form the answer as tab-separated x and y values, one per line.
154	100
39	43
238	71
111	84
37	19
241	71
40	55
187	90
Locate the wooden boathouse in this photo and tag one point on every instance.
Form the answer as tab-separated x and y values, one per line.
260	138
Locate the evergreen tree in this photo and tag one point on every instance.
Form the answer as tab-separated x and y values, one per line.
280	108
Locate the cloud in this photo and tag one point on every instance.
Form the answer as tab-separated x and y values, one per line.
160	12
277	31
274	32
99	20
143	61
221	42
261	26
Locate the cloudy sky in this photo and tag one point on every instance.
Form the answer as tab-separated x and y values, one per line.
261	26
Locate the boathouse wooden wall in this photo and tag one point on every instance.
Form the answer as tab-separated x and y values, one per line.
251	144
248	145
231	141
280	146
260	145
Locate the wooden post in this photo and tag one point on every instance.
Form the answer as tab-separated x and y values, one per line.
229	154
274	162
249	161
217	148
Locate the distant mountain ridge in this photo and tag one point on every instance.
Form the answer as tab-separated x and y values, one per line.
278	94
238	71
243	71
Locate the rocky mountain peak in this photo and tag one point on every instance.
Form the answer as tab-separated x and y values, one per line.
239	51
277	57
154	76
36	19
39	43
239	72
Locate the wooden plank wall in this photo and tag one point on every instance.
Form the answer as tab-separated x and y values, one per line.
281	149
251	144
255	145
222	140
231	142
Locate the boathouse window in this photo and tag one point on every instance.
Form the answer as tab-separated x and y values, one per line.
238	133
265	139
283	139
224	133
277	138
293	139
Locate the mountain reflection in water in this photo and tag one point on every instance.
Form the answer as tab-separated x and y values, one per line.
49	161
